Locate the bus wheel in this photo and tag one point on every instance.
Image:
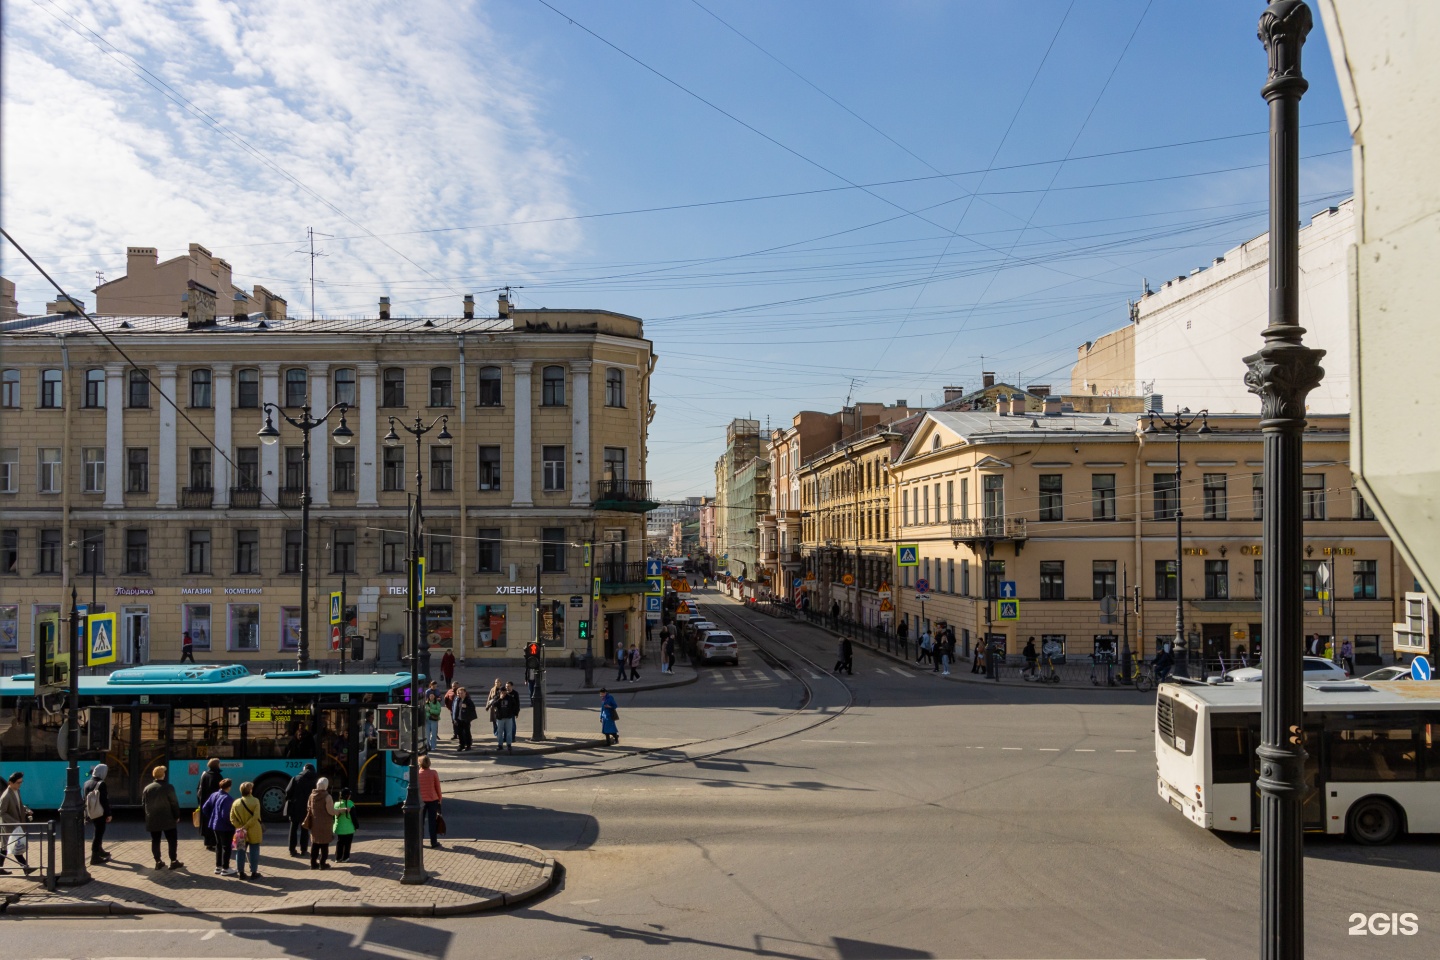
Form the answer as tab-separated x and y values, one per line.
271	793
1374	821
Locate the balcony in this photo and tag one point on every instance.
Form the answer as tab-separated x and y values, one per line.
631	496
617	577
290	496
988	528
197	498
244	498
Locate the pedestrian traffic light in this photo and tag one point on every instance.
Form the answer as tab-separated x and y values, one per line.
584	629
532	655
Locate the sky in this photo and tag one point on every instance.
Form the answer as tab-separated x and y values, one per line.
806	201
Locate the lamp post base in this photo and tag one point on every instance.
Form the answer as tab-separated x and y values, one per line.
72	871
414	873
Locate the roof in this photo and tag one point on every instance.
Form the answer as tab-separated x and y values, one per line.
1318	695
215	678
987	425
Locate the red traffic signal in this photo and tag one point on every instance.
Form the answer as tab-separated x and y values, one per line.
532	649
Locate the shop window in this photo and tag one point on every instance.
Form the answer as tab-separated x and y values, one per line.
490	624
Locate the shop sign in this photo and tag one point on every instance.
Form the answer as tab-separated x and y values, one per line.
196	591
507	590
429	591
1248	551
1337	551
134	591
243	591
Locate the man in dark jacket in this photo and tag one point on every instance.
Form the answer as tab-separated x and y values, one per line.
209	783
297	802
96	785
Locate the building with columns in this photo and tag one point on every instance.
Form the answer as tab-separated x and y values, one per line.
147	486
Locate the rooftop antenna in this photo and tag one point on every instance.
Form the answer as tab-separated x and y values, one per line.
99	278
310	234
854	382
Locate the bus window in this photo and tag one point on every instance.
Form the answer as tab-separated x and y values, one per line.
279	730
204	732
12	731
1233	739
1175	723
1372	747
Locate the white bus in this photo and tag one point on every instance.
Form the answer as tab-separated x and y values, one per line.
1372	767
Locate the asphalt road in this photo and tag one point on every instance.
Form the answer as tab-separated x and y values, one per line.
891	814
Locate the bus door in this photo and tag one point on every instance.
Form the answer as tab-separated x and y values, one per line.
1312	803
139	742
335	745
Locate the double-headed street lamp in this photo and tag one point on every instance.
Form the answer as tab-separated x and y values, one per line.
269	436
1179	423
419	648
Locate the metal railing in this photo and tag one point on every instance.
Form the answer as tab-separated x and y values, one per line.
290	496
245	498
988	528
629	491
32	841
197	498
617	572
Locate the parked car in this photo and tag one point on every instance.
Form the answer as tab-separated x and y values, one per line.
718	645
1316	668
1388	673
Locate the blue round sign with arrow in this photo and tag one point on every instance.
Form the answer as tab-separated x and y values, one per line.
1420	669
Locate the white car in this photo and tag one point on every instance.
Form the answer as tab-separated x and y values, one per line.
1316	668
718	645
1388	673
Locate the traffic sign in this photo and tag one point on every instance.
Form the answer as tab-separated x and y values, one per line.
1007	590
1008	610
884	590
797	583
652	568
100	638
848	579
922	585
335	637
1420	669
886	606
907	554
335	616
653	604
654	585
595	589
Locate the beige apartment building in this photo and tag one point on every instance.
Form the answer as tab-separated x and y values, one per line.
179	519
1069	507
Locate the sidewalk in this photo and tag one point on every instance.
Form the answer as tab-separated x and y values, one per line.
466	876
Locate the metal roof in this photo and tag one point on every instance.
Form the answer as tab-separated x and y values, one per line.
215	678
1333	695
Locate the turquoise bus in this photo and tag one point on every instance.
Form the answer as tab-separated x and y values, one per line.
263	728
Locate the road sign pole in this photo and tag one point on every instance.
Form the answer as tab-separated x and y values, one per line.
72	823
537	706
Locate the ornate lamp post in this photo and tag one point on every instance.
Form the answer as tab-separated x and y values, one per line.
419	649
72	808
269	436
1179	424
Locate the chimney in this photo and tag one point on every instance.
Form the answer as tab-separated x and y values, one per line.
241	310
384	308
1038	389
1155	403
988	380
503	310
469	306
1052	405
140	259
953	393
197	305
1017	405
66	306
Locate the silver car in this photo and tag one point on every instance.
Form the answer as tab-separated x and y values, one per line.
1316	668
718	645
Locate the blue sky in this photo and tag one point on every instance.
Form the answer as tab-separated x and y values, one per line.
866	198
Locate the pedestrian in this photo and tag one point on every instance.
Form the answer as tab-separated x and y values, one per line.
463	713
835	613
1347	656
245	818
847	655
609	713
215	817
297	803
926	648
13	813
1032	659
448	702
977	660
447	667
621	659
635	663
187	647
493	706
162	815
1330	649
902	636
947	655
209	783
432	720
320	815
369	746
97	811
511	710
431	797
344	825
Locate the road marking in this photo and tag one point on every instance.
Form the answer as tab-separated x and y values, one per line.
1049	749
581	903
1012	748
1083	750
1124	751
865	742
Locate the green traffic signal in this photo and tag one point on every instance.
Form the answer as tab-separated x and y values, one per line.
584	629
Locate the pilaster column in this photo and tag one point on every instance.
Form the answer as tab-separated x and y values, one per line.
366	463
115	435
166	488
270	452
223	440
580	434
524	404
320	437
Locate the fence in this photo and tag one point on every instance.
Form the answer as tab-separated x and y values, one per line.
31	841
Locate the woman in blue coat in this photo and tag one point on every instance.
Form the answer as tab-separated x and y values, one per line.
609	711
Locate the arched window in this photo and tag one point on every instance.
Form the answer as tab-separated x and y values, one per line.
553	387
345	386
489	386
247	384
200	388
935	443
95	387
393	387
295	387
614	387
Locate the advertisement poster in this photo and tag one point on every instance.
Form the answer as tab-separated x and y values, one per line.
440	624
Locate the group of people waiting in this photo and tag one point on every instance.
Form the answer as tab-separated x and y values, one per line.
937	650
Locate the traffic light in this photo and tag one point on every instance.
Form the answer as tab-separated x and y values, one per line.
532	655
584	629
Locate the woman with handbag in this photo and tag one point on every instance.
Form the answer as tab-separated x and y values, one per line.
245	818
215	820
320	821
13	813
431	797
609	713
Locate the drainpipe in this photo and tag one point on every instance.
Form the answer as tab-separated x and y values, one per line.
464	501
67	461
1140	540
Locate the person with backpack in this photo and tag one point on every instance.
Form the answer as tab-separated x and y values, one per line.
209	783
621	659
297	804
344	825
97	810
245	818
215	817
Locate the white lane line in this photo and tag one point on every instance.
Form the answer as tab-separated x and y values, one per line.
1049	749
1012	748
1083	750
864	742
1124	751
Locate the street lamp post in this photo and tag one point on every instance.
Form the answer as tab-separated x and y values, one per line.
269	436
1283	373
1179	423
72	809
414	872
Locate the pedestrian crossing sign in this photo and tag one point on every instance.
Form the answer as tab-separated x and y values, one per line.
907	554
1008	610
100	637
335	607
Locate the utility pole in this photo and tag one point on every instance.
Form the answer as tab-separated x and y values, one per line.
537	706
72	822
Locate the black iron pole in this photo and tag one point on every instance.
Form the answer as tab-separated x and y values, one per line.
72	821
302	655
537	704
1182	648
1283	373
414	871
344	623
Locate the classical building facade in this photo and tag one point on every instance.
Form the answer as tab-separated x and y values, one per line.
147	485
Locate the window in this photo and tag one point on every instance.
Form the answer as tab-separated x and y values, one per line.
94	388
489	387
9	556
925	510
289	640
1312	502
392	552
1165	580
552	550
9	469
197	624
393	472
197	557
1215	507
996	574
92	461
1367	578
10	388
440	380
1052	579
904	506
1102	495
1257	495
392	383
614	387
488	470
1361	510
614	463
50	470
441	475
994	505
1310	578
201	477
1259	579
949	576
441	558
247	551
342	550
52	394
553	468
964	498
1052	496
964	578
552	387
949	500
1102	579
1366	747
487	550
92	551
1167	495
48	555
247	389
293	551
200	388
244	627
344	380
490	624
295	379
1217	580
344	469
137	470
139	389
137	551
294	468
